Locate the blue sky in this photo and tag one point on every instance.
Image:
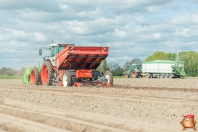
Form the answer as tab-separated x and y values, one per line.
131	28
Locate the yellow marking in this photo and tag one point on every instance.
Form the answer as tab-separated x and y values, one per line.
65	61
101	61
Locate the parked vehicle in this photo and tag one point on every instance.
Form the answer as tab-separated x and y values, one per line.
157	68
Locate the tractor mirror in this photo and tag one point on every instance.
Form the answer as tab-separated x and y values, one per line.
40	51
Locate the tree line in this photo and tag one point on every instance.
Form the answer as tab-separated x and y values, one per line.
190	59
11	72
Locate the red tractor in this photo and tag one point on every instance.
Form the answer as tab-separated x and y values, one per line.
70	65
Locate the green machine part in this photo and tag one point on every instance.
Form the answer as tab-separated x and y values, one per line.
26	76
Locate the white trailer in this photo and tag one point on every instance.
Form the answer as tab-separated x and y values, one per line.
163	68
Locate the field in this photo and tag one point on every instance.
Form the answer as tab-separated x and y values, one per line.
11	77
133	105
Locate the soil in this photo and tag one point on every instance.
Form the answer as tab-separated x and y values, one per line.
131	105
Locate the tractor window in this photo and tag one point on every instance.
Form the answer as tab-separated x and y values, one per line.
60	48
53	51
134	66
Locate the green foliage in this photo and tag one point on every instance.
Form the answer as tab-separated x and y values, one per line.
115	69
118	77
103	67
160	55
190	59
11	72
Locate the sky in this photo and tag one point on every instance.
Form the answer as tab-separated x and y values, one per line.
130	28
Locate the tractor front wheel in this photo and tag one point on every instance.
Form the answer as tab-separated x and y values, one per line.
46	73
109	76
35	77
66	79
128	75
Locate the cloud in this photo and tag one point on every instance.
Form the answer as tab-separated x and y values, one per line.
131	28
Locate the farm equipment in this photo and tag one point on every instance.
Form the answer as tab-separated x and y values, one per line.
70	65
134	71
158	68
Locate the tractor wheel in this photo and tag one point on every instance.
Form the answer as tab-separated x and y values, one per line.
35	77
66	79
134	74
128	75
46	73
109	76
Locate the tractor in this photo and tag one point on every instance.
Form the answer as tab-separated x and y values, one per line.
70	65
134	71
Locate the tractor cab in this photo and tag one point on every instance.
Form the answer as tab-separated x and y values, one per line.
54	49
57	48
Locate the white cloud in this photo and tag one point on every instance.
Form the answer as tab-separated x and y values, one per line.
63	7
130	28
38	37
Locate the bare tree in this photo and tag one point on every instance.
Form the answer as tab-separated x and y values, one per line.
136	61
113	66
126	66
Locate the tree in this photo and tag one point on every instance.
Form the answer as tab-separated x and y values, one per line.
160	55
136	61
190	59
103	67
126	66
115	69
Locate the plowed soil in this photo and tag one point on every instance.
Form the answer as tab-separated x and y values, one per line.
131	105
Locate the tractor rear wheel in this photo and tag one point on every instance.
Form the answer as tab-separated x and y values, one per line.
35	77
109	76
66	79
134	74
46	73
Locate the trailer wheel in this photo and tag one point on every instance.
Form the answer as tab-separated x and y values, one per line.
162	75
109	76
167	75
46	73
150	75
35	77
66	79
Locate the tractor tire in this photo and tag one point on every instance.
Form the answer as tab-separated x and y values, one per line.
128	75
134	74
66	79
35	77
109	76
46	73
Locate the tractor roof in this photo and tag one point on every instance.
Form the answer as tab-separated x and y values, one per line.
52	45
